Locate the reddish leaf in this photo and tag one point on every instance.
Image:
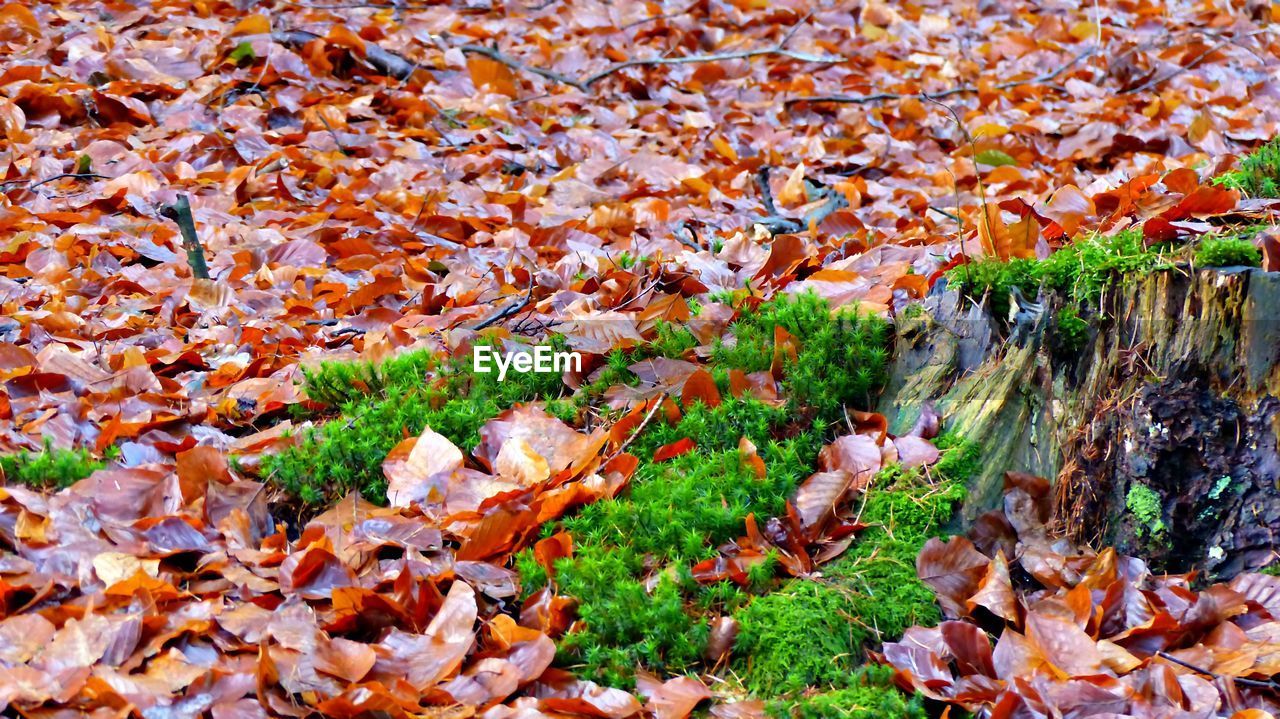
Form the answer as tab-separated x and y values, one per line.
675	449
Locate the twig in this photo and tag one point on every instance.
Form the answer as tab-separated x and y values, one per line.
180	212
713	57
1242	681
1161	79
515	64
510	310
774	222
639	428
959	90
944	213
384	61
362	6
334	135
55	178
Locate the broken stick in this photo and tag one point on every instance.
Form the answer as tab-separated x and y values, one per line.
180	213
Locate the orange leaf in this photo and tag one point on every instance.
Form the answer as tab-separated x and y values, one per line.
700	387
342	36
17	23
750	457
258	24
1006	241
675	449
486	71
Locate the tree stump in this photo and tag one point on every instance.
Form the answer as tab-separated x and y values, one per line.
1161	432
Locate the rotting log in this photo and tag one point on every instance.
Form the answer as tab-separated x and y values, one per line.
1161	432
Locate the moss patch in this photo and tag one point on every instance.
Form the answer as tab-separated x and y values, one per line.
1258	174
812	633
382	404
630	572
1145	505
49	468
1079	270
1228	252
870	695
841	359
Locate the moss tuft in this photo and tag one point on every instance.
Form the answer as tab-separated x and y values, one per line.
1146	507
1079	270
1228	252
382	404
1070	332
871	695
630	573
841	358
1258	174
811	633
49	468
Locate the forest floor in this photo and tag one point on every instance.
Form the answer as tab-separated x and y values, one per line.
254	471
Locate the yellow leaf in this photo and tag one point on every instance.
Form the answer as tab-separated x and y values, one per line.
723	147
990	129
1084	30
252	25
1200	127
32	528
114	567
792	192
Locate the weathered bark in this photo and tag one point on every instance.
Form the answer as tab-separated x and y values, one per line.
1175	392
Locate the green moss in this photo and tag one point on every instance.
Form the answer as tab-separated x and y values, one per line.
382	404
721	427
682	509
1070	332
624	624
1080	270
961	459
871	695
48	468
1258	174
630	573
1145	505
808	634
812	633
841	359
1228	252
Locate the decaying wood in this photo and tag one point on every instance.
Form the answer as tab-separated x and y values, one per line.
1176	392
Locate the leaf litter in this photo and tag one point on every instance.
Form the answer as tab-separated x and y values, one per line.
371	180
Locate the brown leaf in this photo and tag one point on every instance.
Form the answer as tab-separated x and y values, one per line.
955	571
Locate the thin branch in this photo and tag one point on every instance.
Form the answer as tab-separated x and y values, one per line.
1045	78
714	57
1242	681
363	6
774	222
384	61
180	213
944	213
510	310
515	64
55	178
336	140
660	399
1161	79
